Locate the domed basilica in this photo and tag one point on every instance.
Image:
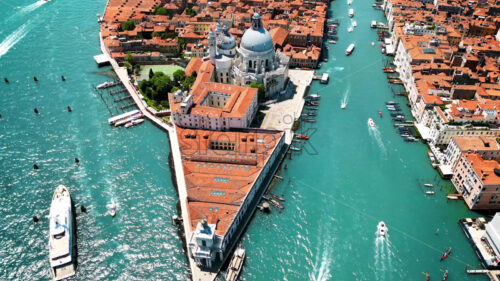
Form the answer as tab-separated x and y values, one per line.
255	60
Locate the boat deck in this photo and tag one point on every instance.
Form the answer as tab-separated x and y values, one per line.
64	272
59	246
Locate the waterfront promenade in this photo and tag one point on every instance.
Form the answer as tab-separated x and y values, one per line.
122	74
281	115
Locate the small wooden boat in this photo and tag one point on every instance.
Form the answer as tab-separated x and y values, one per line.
278	197
380	113
445	276
446	254
302	137
310	120
452	197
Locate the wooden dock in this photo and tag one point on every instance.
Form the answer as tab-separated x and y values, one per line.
494	275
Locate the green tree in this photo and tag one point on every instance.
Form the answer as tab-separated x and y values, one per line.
182	43
128	25
179	76
187	83
131	59
190	12
161	11
151	73
261	90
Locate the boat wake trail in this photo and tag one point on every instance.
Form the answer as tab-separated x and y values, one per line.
338	68
324	256
13	38
383	256
32	7
345	98
375	133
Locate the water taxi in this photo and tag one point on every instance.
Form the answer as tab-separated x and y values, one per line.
343	105
313	97
429	185
351	13
373	24
350	29
349	49
354	23
371	123
430	192
112	210
281	198
382	229
302	137
235	265
61	235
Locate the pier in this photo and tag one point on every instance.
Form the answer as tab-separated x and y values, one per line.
494	275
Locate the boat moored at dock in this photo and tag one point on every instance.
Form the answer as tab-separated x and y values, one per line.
106	84
61	235
235	265
373	24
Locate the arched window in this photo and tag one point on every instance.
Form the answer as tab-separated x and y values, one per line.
249	64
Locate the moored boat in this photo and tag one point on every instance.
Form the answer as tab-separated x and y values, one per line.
430	192
106	84
310	119
61	235
294	148
429	185
332	41
373	24
235	265
281	198
351	13
343	105
313	97
302	137
445	275
349	49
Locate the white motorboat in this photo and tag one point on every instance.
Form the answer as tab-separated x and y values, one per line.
354	23
235	265
349	2
452	197
351	13
373	24
373	43
112	210
105	85
61	235
429	184
349	49
129	124
371	123
382	229
343	105
430	192
350	29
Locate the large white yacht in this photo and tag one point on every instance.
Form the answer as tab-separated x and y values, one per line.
61	235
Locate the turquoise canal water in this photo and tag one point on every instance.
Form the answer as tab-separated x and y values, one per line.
347	178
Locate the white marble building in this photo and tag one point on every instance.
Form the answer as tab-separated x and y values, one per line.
255	60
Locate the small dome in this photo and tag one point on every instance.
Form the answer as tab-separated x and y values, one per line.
226	42
258	40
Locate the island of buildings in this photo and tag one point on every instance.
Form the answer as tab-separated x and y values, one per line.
222	165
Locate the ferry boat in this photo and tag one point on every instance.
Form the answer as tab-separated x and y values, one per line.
350	49
351	13
235	265
61	235
373	24
354	23
371	123
446	254
106	84
381	229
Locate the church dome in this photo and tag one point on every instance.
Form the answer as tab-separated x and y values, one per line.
257	38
